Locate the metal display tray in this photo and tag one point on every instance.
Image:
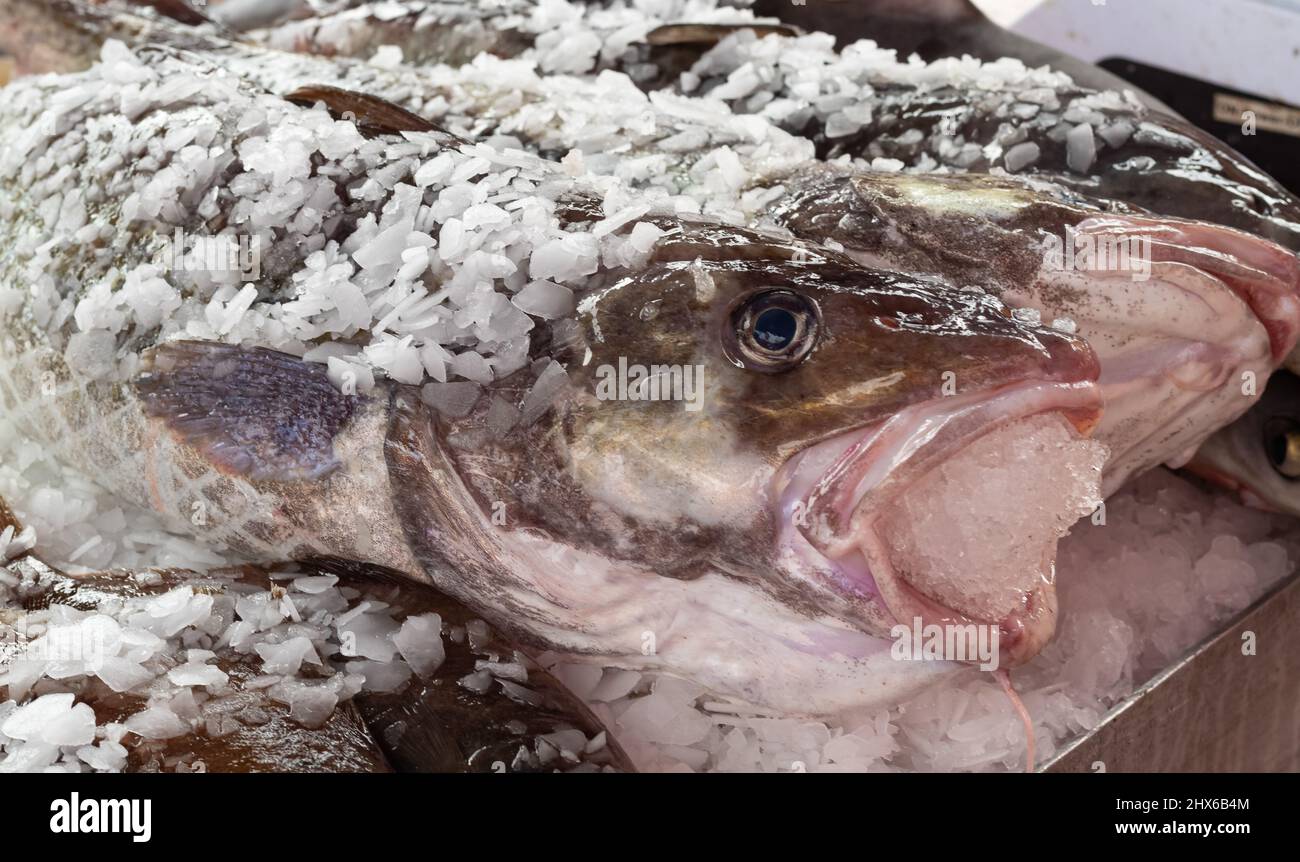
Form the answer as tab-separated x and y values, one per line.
1217	709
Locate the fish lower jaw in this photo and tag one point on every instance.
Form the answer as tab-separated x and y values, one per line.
927	479
1017	634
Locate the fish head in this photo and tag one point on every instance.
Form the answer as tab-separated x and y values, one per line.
758	408
1258	456
1181	313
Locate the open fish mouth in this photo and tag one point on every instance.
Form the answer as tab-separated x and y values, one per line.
893	521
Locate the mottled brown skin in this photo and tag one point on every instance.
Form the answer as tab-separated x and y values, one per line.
874	323
993	242
989	230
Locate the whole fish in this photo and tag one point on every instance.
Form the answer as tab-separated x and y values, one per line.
466	701
662	443
1258	456
1201	309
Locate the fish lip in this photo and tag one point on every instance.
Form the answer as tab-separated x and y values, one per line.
1263	274
875	465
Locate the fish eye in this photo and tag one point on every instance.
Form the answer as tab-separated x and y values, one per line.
773	331
1282	446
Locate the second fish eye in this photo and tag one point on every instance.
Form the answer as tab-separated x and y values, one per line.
1282	446
774	330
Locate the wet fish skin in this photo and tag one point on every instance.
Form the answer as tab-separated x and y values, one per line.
648	476
1144	158
1167	166
292	504
1174	345
409	497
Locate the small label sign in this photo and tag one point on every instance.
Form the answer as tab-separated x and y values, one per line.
1269	116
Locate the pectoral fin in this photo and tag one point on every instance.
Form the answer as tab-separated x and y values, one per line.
252	412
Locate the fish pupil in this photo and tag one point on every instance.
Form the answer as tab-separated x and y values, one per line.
1277	450
775	328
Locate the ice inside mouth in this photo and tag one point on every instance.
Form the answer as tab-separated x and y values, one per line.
978	533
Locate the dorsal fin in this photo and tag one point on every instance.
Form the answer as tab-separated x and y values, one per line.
711	34
373	115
